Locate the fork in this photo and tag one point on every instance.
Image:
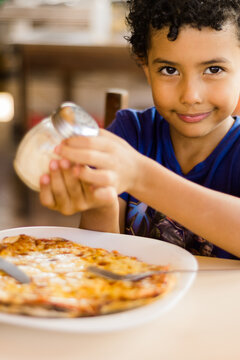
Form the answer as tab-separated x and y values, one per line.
139	276
14	271
133	277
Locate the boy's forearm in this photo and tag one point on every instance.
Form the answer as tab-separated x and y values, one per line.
208	213
101	219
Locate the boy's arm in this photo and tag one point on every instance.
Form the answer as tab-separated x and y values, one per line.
213	215
108	219
208	213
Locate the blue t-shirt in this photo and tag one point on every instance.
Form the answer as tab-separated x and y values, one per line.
148	132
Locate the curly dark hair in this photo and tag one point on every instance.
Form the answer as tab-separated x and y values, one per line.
156	14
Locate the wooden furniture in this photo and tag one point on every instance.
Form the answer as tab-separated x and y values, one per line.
66	39
116	99
203	325
67	60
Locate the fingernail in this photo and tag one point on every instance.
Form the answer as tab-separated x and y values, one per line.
45	179
65	164
57	149
53	165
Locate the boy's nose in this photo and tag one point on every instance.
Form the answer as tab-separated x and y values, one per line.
190	92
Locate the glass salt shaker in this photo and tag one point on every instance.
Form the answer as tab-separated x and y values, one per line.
36	148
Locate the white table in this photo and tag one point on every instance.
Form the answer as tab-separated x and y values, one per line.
204	325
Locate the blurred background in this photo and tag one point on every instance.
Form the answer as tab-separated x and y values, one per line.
53	51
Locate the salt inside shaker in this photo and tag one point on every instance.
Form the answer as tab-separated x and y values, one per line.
36	148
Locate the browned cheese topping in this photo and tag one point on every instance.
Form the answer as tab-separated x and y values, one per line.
62	287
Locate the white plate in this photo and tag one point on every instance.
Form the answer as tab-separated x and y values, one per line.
149	250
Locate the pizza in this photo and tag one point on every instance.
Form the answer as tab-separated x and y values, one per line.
62	287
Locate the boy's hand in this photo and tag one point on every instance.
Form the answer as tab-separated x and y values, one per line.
103	161
61	190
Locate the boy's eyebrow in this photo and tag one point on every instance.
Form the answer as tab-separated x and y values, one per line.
214	61
208	62
163	61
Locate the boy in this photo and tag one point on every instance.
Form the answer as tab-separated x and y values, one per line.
177	166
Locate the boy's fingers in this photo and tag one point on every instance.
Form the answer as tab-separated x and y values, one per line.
98	141
74	187
86	156
61	190
97	177
46	195
69	193
105	143
60	193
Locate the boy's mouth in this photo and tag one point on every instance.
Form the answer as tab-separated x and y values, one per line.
193	118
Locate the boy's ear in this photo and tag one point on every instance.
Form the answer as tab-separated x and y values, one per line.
146	72
237	110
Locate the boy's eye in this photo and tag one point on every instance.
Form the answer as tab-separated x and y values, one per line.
168	70
213	70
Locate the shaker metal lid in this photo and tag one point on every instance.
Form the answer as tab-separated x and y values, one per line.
70	119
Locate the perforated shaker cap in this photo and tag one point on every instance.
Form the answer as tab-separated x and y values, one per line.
70	119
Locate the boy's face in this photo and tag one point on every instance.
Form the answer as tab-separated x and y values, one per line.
195	79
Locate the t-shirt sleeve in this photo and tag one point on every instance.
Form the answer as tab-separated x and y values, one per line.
136	127
126	125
